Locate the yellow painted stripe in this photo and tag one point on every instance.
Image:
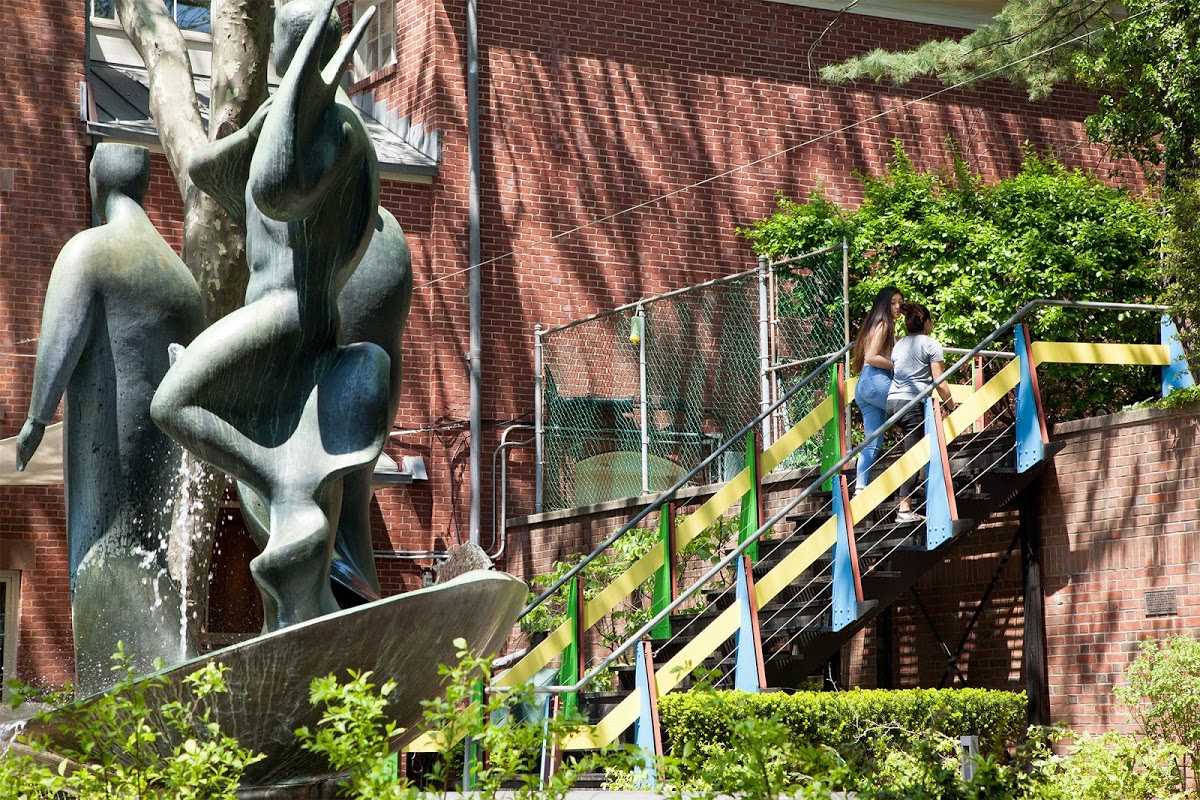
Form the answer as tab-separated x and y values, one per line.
546	651
801	432
1100	353
668	677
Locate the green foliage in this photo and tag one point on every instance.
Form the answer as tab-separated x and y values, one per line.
1149	68
976	252
354	736
1178	398
1162	692
1182	254
116	748
1032	43
831	719
1113	766
878	745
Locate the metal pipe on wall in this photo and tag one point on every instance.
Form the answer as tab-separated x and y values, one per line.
538	412
764	348
645	401
475	278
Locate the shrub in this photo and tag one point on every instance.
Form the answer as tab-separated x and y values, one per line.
116	748
1114	766
1163	694
836	719
975	252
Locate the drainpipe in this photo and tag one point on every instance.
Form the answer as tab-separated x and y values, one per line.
475	282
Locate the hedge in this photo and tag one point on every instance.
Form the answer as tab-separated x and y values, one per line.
835	719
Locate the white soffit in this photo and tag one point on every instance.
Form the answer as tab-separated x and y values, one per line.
46	467
962	14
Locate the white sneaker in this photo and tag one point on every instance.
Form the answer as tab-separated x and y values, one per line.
904	517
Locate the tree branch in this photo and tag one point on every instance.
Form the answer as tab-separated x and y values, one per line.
174	105
241	42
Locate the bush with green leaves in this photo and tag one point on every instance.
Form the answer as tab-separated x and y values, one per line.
975	252
833	719
1113	766
115	753
1162	692
354	734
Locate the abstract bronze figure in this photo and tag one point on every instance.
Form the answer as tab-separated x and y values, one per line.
118	296
269	394
374	306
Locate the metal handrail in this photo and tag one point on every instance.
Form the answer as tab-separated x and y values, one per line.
833	470
668	494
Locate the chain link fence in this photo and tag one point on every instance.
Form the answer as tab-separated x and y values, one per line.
632	399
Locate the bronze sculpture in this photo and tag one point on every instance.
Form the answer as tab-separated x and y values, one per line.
118	296
269	394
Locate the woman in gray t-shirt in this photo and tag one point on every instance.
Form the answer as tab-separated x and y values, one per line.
918	362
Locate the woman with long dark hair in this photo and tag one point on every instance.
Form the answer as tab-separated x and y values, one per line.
871	360
919	361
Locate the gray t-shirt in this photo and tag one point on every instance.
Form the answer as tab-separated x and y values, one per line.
912	356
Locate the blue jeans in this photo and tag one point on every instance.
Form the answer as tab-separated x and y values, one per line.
871	396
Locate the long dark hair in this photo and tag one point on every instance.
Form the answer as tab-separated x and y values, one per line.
880	314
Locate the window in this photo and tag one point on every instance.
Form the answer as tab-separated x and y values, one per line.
191	15
8	627
104	9
378	46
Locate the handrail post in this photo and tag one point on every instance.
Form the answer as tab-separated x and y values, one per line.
751	514
749	672
833	442
472	750
666	585
941	509
573	665
647	733
764	348
1031	421
645	401
977	381
847	578
1175	375
551	751
538	423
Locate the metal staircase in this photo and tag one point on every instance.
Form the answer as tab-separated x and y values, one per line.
827	563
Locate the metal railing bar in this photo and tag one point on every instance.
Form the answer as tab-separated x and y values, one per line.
783	262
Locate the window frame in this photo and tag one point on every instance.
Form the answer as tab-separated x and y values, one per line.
188	33
379	41
12	625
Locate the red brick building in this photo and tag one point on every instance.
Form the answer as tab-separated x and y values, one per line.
621	145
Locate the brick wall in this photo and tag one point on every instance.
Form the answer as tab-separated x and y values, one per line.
588	109
43	202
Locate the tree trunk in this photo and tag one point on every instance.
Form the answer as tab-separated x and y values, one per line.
214	246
